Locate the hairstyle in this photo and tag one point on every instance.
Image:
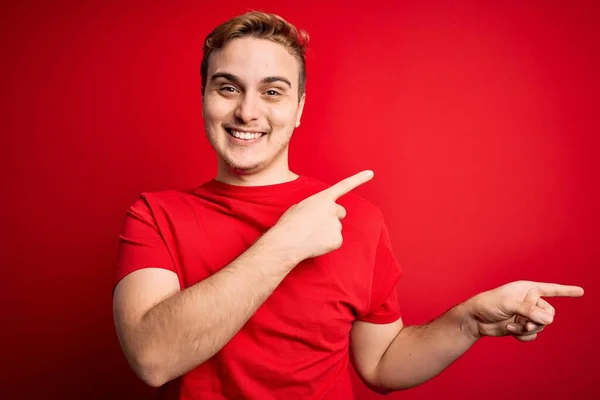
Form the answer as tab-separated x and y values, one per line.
263	26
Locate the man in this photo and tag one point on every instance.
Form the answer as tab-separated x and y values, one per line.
265	284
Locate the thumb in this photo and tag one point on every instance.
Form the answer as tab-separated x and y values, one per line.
529	311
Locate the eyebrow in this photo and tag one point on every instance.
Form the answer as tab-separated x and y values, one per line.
235	79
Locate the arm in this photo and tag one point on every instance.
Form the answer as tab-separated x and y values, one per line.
400	357
415	354
165	332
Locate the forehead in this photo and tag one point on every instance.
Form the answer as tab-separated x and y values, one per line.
253	59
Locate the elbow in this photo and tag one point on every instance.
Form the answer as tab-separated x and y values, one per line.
385	389
384	385
149	370
370	381
389	387
382	390
155	369
151	378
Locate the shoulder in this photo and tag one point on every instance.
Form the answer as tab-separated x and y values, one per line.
161	200
360	205
363	214
167	195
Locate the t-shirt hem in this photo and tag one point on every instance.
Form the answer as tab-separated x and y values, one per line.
388	319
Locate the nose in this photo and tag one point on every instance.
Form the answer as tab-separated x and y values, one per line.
248	109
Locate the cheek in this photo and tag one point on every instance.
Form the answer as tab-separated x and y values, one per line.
282	116
216	110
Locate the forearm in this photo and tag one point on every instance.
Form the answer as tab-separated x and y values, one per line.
188	328
418	353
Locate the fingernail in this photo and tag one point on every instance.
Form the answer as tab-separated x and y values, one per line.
547	318
511	328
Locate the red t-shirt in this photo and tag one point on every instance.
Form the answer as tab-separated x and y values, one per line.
296	346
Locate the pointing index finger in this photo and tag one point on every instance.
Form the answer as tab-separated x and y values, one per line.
346	185
556	290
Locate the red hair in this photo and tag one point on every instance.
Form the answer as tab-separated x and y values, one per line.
262	26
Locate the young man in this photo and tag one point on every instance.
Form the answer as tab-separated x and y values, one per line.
264	284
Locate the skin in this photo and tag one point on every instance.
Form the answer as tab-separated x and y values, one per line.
165	331
252	85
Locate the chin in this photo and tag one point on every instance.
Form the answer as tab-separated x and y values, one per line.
245	169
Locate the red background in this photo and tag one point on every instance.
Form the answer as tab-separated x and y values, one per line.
480	121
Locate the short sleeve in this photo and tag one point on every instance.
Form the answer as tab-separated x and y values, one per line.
384	306
140	242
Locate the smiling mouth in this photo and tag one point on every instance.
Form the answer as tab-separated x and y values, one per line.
244	135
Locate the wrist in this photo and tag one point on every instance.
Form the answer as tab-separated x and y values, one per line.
467	321
275	243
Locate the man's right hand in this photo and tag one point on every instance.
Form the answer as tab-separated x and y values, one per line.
313	227
165	331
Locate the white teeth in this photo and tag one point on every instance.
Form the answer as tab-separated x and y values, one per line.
246	135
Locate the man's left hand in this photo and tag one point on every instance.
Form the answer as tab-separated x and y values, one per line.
516	309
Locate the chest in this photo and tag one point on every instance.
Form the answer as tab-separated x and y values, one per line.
317	293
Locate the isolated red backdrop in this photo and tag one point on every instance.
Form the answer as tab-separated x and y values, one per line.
480	121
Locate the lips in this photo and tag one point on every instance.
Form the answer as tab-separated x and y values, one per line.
244	135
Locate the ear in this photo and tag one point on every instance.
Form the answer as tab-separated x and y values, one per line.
300	109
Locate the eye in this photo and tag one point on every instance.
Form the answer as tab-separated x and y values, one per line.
228	89
272	92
